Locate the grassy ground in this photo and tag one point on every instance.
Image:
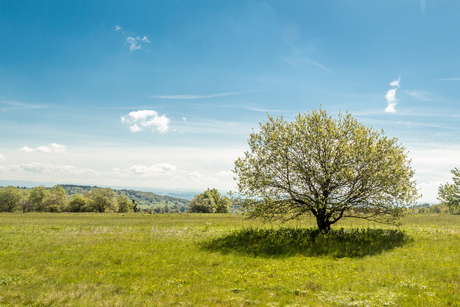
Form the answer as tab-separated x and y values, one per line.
222	260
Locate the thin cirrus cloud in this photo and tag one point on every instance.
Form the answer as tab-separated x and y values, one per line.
142	119
2	158
391	96
51	148
197	96
152	171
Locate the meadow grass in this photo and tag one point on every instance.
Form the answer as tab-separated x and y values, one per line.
94	259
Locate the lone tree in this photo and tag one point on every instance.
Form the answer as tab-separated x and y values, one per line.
449	194
333	168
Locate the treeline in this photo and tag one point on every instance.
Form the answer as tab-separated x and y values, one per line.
428	208
145	200
85	199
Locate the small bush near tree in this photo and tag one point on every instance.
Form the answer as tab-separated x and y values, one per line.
210	201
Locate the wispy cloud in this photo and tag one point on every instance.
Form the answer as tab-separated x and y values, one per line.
299	59
449	79
425	96
197	96
132	40
14	105
51	148
422	6
152	171
391	96
144	119
133	43
2	158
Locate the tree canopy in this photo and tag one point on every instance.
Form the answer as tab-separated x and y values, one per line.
210	201
449	194
331	167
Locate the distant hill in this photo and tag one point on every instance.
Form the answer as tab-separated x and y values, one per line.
142	199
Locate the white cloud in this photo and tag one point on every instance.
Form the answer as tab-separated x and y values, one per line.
184	119
133	43
197	96
51	148
146	118
2	157
117	27
194	176
154	170
36	167
391	97
225	174
145	39
26	149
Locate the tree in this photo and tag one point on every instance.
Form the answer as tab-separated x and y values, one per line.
210	201
333	168
36	197
56	199
9	198
102	199
124	205
78	203
449	194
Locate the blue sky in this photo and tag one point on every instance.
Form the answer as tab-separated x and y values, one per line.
164	94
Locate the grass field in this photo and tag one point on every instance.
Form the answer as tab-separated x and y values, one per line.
222	260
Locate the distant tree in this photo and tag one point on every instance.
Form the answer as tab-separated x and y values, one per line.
134	205
211	201
78	203
437	208
102	199
331	168
56	200
124	205
25	205
9	198
449	194
36	197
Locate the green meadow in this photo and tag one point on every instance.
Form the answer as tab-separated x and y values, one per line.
90	259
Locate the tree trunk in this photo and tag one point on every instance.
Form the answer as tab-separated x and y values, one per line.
323	223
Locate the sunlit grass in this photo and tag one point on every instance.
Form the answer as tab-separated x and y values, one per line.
223	260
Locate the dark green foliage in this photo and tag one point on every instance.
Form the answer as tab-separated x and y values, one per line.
102	199
36	197
310	242
77	203
9	198
55	200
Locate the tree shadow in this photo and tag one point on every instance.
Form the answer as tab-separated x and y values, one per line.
310	242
